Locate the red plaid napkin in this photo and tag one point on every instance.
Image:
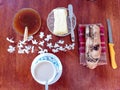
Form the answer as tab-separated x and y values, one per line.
81	32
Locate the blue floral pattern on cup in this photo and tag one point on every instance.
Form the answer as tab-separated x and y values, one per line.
49	58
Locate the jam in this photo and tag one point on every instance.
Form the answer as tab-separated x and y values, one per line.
27	17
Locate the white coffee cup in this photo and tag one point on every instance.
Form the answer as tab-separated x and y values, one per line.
43	71
46	69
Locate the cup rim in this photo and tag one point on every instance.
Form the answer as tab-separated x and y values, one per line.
33	71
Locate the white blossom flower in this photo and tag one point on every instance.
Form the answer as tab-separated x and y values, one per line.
55	50
41	34
48	37
56	45
30	38
28	47
26	51
41	51
34	42
20	45
22	42
41	43
60	42
23	46
11	49
67	47
61	48
72	45
10	40
49	45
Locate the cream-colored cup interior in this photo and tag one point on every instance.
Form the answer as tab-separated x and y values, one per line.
44	72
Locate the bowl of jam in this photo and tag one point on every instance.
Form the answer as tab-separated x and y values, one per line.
27	17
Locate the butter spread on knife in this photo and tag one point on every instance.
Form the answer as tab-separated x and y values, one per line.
70	9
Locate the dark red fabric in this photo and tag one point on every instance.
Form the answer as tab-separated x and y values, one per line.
81	32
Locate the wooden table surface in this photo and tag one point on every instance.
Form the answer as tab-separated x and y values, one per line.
15	68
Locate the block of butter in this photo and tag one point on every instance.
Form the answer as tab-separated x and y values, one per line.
60	22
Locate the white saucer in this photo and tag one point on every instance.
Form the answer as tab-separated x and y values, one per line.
52	58
50	22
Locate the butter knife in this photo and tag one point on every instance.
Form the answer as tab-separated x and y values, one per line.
111	45
70	10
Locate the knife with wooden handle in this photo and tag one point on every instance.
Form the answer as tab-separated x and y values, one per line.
70	10
111	46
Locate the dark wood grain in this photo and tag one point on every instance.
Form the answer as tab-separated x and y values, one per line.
15	68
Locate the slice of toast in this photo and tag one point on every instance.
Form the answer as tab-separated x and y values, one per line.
60	23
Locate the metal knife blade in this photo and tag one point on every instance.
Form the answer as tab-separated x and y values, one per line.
109	31
70	10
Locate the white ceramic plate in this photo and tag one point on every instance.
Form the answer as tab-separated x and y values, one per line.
52	58
50	22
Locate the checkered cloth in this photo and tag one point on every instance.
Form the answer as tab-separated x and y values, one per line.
81	32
